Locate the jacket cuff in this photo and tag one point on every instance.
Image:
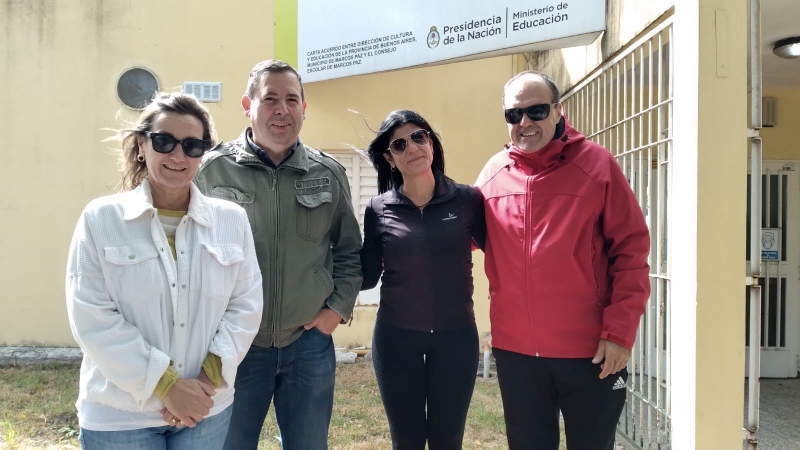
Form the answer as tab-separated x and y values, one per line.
166	382
617	339
345	317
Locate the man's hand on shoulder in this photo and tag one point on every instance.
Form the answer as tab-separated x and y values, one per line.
613	357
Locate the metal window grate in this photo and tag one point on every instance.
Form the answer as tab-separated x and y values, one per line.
626	106
774	214
209	92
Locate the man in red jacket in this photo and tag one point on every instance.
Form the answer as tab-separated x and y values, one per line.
566	258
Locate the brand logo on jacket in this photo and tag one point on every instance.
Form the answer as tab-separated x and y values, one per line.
450	216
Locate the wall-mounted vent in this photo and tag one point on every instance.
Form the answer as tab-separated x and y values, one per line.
210	92
136	87
769	112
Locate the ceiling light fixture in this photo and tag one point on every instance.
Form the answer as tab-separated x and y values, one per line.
787	48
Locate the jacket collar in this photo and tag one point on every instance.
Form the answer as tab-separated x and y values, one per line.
445	188
140	200
551	154
245	155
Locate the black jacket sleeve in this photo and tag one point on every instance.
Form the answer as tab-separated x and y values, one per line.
478	217
372	250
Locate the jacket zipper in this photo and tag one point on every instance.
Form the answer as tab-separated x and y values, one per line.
527	228
276	276
425	233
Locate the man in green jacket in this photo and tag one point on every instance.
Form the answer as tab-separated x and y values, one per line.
307	241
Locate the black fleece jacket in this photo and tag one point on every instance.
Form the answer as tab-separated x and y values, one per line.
425	256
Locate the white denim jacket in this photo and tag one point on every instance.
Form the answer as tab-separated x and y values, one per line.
134	310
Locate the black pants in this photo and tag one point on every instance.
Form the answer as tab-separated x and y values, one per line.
417	369
535	389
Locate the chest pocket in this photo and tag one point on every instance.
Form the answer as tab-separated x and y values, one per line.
220	267
135	279
242	198
314	208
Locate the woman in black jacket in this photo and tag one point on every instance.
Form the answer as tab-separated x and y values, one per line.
420	232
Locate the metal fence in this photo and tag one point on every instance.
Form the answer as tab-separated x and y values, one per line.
625	105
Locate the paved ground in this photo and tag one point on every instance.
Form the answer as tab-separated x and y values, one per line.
779	418
779	415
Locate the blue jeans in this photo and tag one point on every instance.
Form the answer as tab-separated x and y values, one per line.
208	434
301	377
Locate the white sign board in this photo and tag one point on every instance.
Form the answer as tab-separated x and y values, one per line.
770	244
340	39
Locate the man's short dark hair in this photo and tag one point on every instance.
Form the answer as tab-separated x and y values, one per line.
270	65
550	82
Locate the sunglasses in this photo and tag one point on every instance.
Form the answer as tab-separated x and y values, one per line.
165	143
534	112
420	137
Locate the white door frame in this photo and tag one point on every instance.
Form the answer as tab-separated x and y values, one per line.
779	361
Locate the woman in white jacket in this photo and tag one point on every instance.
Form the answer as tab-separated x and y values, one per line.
163	292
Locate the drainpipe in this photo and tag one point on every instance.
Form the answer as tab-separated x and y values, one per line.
755	226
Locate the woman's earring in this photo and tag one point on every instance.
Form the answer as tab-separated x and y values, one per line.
140	158
394	169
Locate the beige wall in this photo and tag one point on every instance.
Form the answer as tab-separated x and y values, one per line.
61	61
722	163
781	141
710	162
462	103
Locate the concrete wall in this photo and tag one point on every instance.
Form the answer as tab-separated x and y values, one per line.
60	64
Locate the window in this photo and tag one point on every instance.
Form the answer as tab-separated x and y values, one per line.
363	186
362	178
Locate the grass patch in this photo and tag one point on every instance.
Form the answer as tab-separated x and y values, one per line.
359	422
37	411
37	407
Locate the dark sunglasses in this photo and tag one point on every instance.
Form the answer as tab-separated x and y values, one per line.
534	112
420	137
165	143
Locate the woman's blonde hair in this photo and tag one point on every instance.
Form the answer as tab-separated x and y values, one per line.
134	171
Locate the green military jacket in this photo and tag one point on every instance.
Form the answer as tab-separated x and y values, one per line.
306	233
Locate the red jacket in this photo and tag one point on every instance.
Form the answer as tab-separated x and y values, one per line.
566	249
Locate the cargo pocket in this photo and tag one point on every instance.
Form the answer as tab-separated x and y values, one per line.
244	199
325	278
313	215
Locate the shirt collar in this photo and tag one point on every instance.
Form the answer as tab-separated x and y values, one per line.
140	201
263	155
